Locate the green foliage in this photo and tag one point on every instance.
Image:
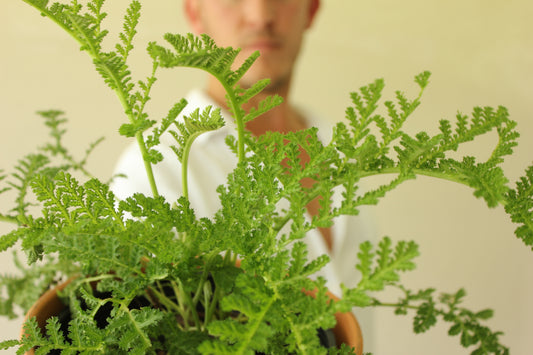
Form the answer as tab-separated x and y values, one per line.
422	154
165	279
84	338
192	127
50	158
520	207
4	345
466	324
23	290
202	53
380	268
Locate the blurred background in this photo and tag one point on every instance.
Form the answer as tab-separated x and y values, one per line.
480	53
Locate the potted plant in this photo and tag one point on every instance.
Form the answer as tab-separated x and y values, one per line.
145	275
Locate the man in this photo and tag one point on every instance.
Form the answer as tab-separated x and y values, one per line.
276	28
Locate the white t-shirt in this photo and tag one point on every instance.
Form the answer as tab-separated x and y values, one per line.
210	162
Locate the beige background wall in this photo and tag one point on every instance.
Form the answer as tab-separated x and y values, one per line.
480	53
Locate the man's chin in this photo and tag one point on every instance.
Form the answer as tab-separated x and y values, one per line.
273	88
256	73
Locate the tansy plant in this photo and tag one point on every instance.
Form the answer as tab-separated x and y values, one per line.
167	279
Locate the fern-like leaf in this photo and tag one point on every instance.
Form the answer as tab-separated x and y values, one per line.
131	19
467	324
243	338
131	327
520	207
265	105
6	344
195	52
390	261
193	126
27	169
154	139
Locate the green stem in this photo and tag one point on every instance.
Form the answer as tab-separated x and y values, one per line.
213	306
147	165
9	219
239	119
396	305
424	172
394	170
94	53
145	339
165	301
89	280
185	164
180	303
234	107
140	139
192	307
255	327
201	283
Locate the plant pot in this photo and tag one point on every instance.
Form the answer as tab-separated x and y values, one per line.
48	305
347	330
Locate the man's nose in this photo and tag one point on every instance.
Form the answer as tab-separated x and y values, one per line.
260	13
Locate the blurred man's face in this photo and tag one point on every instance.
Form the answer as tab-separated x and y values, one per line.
273	27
